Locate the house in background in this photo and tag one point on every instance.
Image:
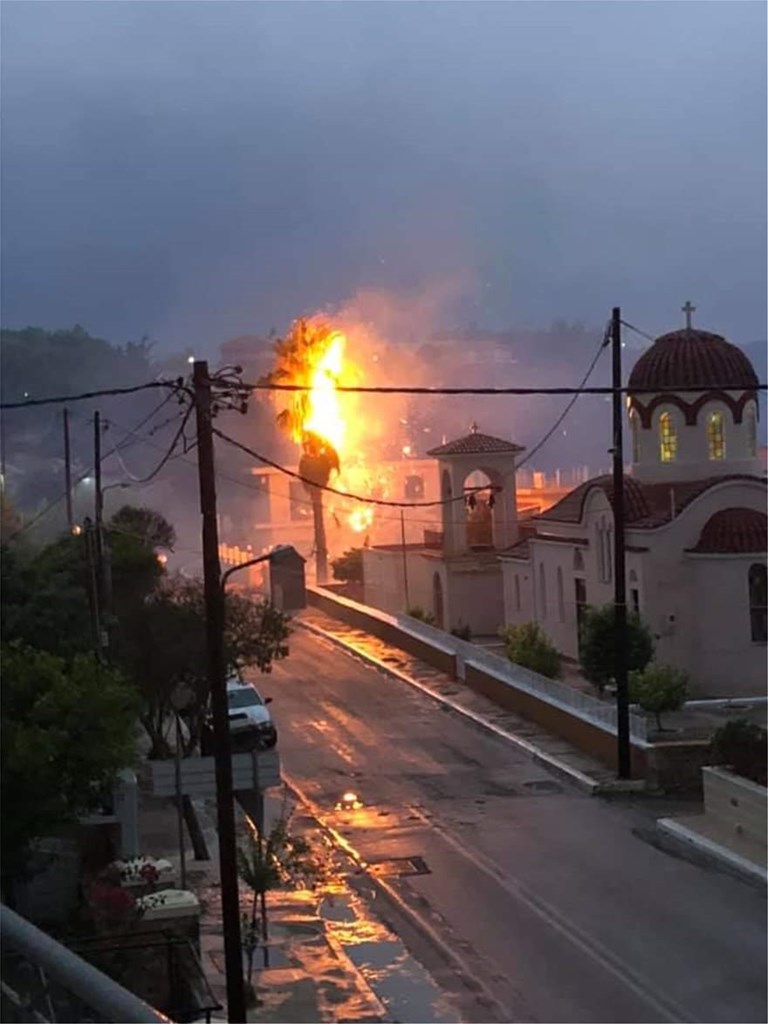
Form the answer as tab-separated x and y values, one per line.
695	506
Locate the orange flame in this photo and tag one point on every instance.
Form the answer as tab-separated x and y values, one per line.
324	416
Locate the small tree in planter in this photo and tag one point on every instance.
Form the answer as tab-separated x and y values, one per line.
658	688
349	567
743	747
597	645
267	862
529	646
416	612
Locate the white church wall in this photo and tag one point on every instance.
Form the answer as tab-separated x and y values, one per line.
476	598
518	591
692	459
726	661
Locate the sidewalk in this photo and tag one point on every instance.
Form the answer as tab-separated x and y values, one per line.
557	754
329	958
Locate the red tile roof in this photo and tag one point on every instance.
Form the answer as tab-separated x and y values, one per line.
645	505
476	444
734	531
691	359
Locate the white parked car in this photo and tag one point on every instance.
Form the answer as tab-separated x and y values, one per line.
250	722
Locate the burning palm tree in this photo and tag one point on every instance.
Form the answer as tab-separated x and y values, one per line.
312	356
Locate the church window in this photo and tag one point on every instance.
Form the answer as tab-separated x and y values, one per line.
758	603
751	431
634	429
634	600
560	595
716	436
578	561
542	592
604	547
517	593
667	438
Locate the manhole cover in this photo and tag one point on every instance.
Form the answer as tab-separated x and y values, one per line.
543	786
399	866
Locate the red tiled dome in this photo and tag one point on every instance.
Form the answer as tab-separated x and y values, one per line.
734	531
693	359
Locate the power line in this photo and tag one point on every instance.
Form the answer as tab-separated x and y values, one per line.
360	389
566	410
122	444
177	385
345	494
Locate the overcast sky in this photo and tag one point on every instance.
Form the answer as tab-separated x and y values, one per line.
193	171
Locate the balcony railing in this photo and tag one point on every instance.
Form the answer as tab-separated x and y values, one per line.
43	981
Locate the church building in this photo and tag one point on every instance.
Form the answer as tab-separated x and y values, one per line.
695	509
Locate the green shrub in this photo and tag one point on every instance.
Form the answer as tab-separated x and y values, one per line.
658	688
742	746
528	645
597	645
349	566
417	612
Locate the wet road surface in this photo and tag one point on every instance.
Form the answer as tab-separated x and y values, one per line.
556	909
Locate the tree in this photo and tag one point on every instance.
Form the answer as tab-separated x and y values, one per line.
161	645
528	645
597	644
297	358
145	524
67	730
658	688
349	566
418	613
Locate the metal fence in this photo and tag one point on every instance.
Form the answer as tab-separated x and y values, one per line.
43	981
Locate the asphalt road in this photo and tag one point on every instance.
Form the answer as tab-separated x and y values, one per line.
555	905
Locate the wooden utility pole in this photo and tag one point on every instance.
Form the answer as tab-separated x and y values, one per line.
214	623
68	470
103	554
405	560
624	753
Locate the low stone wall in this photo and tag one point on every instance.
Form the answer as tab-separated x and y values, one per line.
740	807
671	766
582	734
384	626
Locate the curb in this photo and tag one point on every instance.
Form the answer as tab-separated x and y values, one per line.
688	841
395	902
584	782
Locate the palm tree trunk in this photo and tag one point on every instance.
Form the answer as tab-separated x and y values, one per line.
321	548
264	931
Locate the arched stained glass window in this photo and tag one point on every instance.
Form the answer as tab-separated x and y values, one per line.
751	430
716	436
667	438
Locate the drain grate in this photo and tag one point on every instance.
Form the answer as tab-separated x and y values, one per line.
543	786
400	866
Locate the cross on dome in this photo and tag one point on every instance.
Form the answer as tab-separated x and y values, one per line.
473	428
688	309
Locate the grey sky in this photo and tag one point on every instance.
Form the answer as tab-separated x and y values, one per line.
194	171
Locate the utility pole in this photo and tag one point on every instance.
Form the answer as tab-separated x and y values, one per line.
89	536
619	562
103	555
405	559
214	623
68	470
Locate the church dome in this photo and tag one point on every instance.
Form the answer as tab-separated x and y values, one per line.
734	531
691	359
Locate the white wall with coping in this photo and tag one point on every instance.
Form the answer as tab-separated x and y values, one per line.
551	691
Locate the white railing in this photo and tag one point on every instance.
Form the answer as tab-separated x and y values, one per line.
51	981
583	705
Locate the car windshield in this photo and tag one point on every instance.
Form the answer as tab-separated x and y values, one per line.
243	698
